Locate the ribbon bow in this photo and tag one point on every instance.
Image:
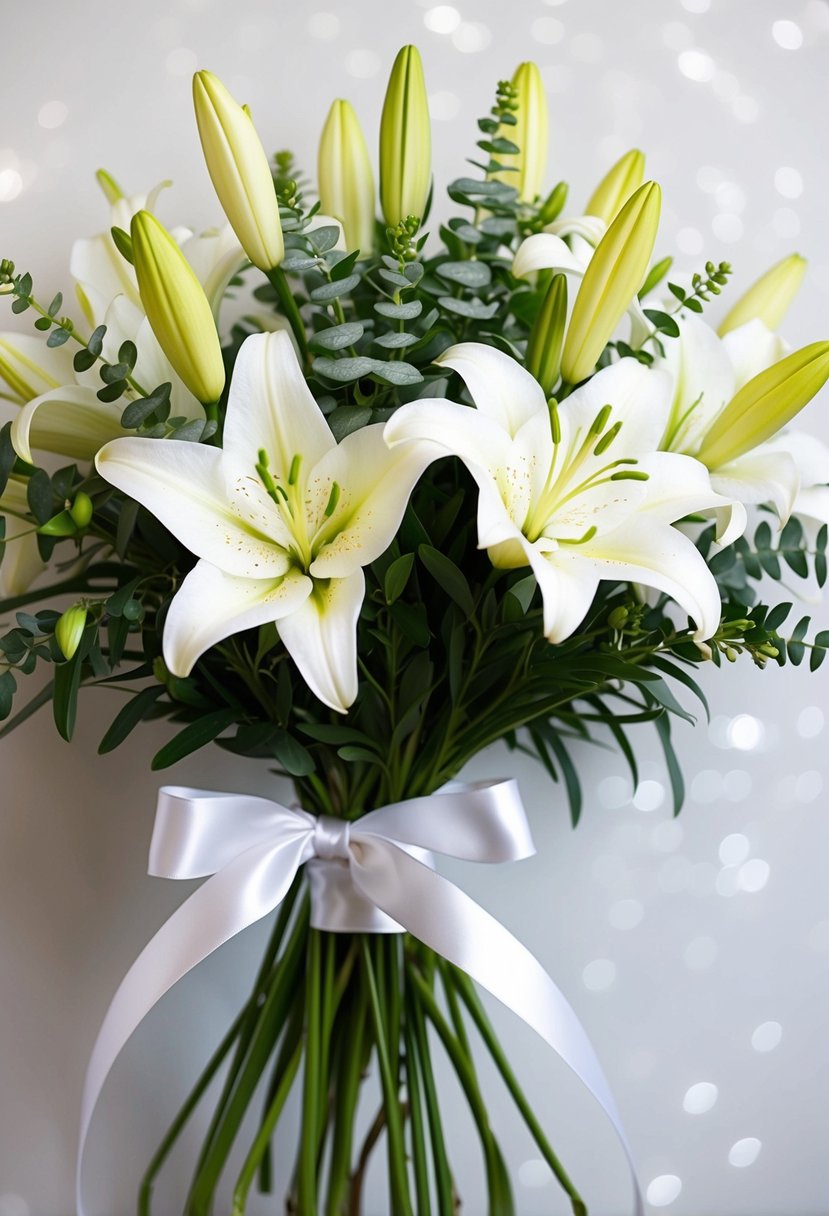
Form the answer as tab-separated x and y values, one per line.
367	876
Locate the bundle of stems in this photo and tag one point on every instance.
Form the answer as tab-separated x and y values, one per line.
326	1011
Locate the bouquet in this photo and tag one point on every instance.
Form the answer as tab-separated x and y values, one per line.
359	498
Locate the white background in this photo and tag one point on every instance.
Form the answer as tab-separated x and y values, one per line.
678	943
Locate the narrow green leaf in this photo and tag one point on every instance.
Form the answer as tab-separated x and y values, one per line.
128	718
449	576
197	734
397	576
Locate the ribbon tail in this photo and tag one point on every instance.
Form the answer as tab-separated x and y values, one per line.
239	895
444	918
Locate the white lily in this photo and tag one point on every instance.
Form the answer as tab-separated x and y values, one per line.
579	492
21	562
282	518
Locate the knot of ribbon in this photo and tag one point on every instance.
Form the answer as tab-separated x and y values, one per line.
371	875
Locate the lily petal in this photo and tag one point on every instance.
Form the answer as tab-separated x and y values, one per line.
270	407
639	397
679	485
544	251
102	273
212	605
568	586
375	483
321	638
703	381
70	421
21	562
183	484
29	368
501	388
752	348
761	476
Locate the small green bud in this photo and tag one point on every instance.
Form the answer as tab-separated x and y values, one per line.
769	298
81	509
616	187
123	243
405	141
69	629
525	168
553	204
61	524
618	617
547	335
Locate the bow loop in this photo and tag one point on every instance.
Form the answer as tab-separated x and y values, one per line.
332	838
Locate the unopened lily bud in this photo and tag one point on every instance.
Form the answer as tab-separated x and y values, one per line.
553	204
547	336
525	168
617	619
611	281
81	509
769	298
346	182
69	629
239	169
177	308
123	243
765	404
405	141
616	187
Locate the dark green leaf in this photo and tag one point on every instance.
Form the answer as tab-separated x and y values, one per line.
449	576
337	336
128	718
290	753
397	576
197	734
39	495
332	291
469	274
663	729
40	699
476	310
348	418
399	312
392	341
323	239
57	337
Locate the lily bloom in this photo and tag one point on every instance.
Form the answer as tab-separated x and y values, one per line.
577	491
282	518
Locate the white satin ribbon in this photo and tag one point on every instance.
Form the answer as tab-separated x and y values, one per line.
367	876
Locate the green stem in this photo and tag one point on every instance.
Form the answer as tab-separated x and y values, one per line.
466	989
309	1129
443	1175
263	1139
398	1177
178	1124
419	1161
349	1071
276	278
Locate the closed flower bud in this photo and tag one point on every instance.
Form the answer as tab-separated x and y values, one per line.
616	187
69	629
613	277
765	404
239	170
405	141
81	510
769	298
346	182
177	308
547	335
526	167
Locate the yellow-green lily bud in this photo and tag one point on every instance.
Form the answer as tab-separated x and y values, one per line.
122	242
81	509
177	308
611	281
547	335
525	168
239	169
346	182
69	629
769	298
616	187
553	204
766	404
405	141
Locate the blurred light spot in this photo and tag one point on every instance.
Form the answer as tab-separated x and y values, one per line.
725	85
728	882
696	6
736	784
471	36
667	836
444	106
442	19
614	792
708	178
810	722
706	786
52	114
700	1098
587	48
727	227
786	223
664	1190
558	77
767	1036
730	197
745	108
548	30
325	26
788	182
11	183
599	975
745	732
675	874
626	914
181	61
809	786
787	34
676	36
363	64
701	953
534	1174
744	1152
818	937
690	241
13	1205
754	875
733	849
649	796
555	3
696	65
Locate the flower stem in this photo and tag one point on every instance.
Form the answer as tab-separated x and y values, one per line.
444	1186
310	1126
263	1139
354	1048
276	278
